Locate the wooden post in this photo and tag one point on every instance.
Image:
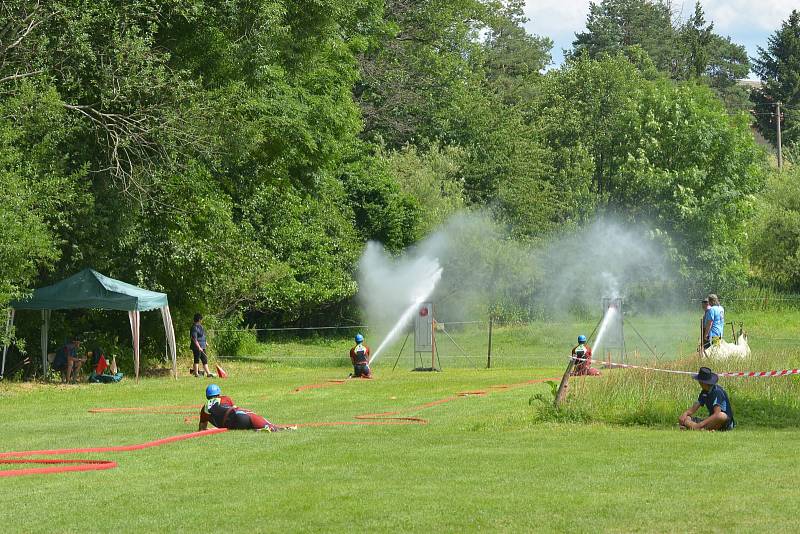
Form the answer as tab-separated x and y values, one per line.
780	145
562	387
433	345
489	353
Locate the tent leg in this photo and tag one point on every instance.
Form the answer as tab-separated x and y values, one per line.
134	317
44	339
169	332
9	324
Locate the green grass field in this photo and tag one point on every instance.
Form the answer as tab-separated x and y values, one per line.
481	463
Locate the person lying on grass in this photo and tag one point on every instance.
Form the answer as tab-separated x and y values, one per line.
221	412
715	399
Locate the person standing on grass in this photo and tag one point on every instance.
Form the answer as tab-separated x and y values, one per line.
198	343
582	353
359	356
713	322
716	401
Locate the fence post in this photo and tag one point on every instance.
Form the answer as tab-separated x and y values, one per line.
489	352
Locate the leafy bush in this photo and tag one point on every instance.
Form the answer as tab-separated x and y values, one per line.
227	338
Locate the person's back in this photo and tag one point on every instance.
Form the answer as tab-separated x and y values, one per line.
359	356
216	410
718	321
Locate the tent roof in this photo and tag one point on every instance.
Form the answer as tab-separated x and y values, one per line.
90	289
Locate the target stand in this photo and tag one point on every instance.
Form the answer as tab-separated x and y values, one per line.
424	340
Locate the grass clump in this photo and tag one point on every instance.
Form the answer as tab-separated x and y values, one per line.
655	399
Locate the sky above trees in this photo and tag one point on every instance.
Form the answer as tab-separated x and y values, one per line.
746	22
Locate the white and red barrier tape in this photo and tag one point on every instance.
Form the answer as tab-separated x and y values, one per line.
743	374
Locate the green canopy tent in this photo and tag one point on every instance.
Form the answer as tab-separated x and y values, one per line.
90	289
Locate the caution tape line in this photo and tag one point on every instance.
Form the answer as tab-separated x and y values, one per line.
742	374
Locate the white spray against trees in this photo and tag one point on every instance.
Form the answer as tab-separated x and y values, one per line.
482	269
394	288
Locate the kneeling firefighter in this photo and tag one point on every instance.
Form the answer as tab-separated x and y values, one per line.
582	353
359	356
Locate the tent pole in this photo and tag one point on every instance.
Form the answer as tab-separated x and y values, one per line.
44	338
169	332
133	316
9	324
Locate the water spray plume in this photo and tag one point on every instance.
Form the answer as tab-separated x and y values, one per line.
601	332
420	294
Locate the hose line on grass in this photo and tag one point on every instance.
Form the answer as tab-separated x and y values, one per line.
18	457
66	465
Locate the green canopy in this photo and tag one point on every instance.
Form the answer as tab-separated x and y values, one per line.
90	289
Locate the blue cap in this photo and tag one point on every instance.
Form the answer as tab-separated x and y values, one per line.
581	339
213	391
359	338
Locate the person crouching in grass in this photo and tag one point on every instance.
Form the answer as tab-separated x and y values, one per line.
715	399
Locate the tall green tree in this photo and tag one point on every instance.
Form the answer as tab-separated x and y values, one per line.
662	154
424	57
514	58
778	67
774	247
618	26
690	50
712	59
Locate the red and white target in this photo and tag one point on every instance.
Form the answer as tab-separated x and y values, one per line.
423	328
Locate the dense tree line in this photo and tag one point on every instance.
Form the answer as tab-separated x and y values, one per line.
238	155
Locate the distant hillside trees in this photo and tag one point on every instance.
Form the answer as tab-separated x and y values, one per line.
688	50
778	67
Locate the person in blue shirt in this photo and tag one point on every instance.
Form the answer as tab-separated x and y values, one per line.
67	360
716	401
713	322
198	345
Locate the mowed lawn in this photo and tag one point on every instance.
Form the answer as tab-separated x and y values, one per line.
481	463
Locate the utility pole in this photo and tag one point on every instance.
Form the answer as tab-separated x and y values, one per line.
778	124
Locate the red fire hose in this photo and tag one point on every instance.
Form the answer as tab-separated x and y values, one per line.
66	465
83	465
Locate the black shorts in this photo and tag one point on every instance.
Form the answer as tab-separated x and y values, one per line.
238	421
199	356
361	369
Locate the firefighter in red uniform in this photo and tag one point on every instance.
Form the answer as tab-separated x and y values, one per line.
223	413
583	359
359	356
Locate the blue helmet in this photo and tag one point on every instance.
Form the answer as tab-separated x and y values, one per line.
581	339
359	338
213	391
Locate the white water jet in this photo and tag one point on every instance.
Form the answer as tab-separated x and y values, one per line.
419	295
609	316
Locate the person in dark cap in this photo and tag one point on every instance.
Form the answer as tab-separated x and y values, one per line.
716	401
